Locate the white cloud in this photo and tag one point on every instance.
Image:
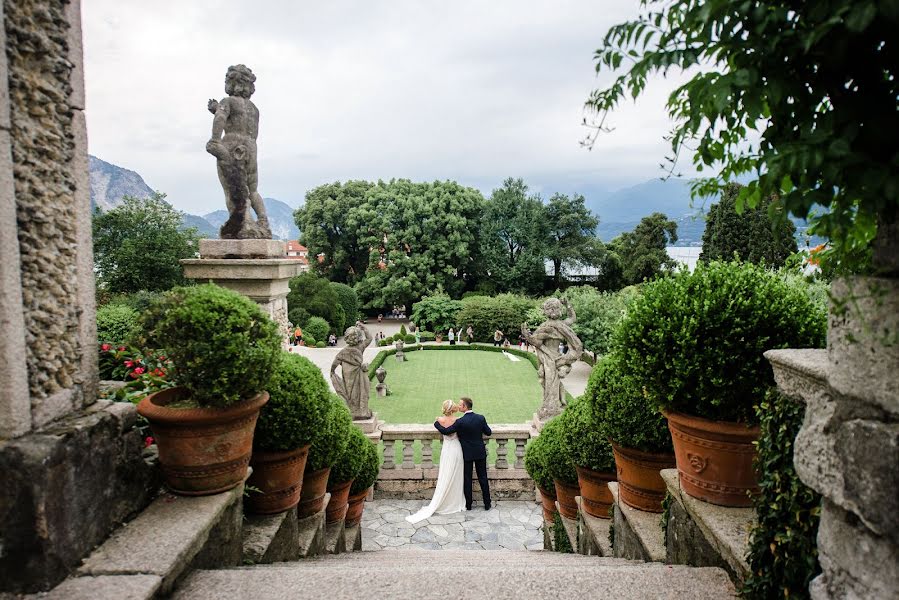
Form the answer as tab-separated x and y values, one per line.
466	90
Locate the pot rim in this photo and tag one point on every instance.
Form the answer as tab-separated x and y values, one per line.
642	455
600	475
153	408
740	432
338	487
567	486
275	455
362	494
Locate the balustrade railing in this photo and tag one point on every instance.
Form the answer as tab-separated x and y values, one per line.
400	446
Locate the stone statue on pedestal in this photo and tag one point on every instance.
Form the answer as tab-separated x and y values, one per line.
554	365
352	384
235	128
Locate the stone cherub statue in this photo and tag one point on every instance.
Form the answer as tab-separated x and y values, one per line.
554	366
352	384
238	119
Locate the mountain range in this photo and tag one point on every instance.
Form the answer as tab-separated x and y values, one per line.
110	183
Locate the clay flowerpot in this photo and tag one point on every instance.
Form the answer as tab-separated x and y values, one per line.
337	505
548	498
566	493
202	451
640	485
596	497
714	459
312	496
355	506
279	477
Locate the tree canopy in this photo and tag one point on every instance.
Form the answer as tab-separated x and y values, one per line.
572	234
799	96
750	236
138	245
642	252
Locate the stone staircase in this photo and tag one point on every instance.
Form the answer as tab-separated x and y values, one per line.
423	574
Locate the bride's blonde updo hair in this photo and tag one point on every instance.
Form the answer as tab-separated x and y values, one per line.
449	407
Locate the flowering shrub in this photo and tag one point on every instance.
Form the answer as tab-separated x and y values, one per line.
142	372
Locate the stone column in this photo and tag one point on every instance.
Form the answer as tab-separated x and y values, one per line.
257	269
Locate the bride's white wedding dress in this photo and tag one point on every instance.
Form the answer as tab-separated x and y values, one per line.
448	495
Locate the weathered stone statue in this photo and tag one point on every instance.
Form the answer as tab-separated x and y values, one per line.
352	384
554	365
238	119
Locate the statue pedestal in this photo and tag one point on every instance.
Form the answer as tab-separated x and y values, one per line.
381	389
255	268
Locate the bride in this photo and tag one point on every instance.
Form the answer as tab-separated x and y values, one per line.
448	495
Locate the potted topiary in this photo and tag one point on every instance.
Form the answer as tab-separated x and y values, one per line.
535	465
362	484
327	445
591	453
561	467
344	471
298	402
223	348
638	433
694	343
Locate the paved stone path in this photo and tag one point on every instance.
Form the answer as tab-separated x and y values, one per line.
509	525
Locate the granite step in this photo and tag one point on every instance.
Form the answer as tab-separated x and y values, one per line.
487	574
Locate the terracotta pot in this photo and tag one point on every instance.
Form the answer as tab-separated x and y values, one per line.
596	497
355	506
337	505
312	496
548	498
565	494
279	475
714	459
202	451
640	484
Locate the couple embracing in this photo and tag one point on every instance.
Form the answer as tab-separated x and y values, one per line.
463	448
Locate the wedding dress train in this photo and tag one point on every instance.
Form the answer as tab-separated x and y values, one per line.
448	495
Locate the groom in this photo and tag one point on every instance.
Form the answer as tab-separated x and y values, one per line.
471	428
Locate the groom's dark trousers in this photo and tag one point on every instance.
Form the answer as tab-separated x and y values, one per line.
471	429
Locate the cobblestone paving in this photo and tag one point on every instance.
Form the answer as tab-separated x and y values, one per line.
510	525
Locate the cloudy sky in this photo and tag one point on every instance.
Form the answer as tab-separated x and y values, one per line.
468	90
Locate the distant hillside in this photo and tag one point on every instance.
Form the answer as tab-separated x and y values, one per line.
280	218
109	183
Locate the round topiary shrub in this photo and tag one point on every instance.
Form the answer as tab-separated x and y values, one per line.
320	344
694	341
116	323
584	439
409	338
350	461
316	328
298	316
558	460
629	418
348	300
535	464
299	401
224	348
309	341
330	441
426	336
368	470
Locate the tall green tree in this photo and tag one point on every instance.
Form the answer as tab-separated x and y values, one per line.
334	221
642	251
750	235
138	245
514	236
815	82
572	234
313	295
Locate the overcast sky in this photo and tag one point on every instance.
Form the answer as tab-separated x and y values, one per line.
475	91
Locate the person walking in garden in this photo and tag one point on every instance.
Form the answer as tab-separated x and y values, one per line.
451	337
298	337
470	333
498	338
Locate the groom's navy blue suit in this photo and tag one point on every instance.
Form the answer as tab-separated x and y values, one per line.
471	429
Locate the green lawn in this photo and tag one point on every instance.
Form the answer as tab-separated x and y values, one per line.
503	391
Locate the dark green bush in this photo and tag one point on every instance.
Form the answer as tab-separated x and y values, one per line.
629	418
139	301
223	346
584	437
309	340
316	328
535	464
320	344
298	316
368	470
298	404
783	550
338	325
558	460
317	296
116	323
436	312
350	461
505	312
426	336
694	341
561	541
403	331
329	442
349	301
409	338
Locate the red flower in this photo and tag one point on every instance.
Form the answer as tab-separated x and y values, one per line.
105	347
149	441
129	363
121	348
139	370
159	372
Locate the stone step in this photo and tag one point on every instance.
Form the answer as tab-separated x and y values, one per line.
486	574
535	557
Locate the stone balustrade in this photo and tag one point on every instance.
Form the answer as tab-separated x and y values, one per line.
403	476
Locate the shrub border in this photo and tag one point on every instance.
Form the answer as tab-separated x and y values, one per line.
383	354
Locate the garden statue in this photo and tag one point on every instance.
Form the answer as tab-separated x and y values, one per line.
554	365
352	384
238	119
381	387
400	355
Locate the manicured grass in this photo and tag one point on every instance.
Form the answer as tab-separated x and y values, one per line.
503	391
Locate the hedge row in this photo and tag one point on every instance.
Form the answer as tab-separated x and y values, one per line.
383	354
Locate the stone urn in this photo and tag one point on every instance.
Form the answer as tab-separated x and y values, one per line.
381	374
